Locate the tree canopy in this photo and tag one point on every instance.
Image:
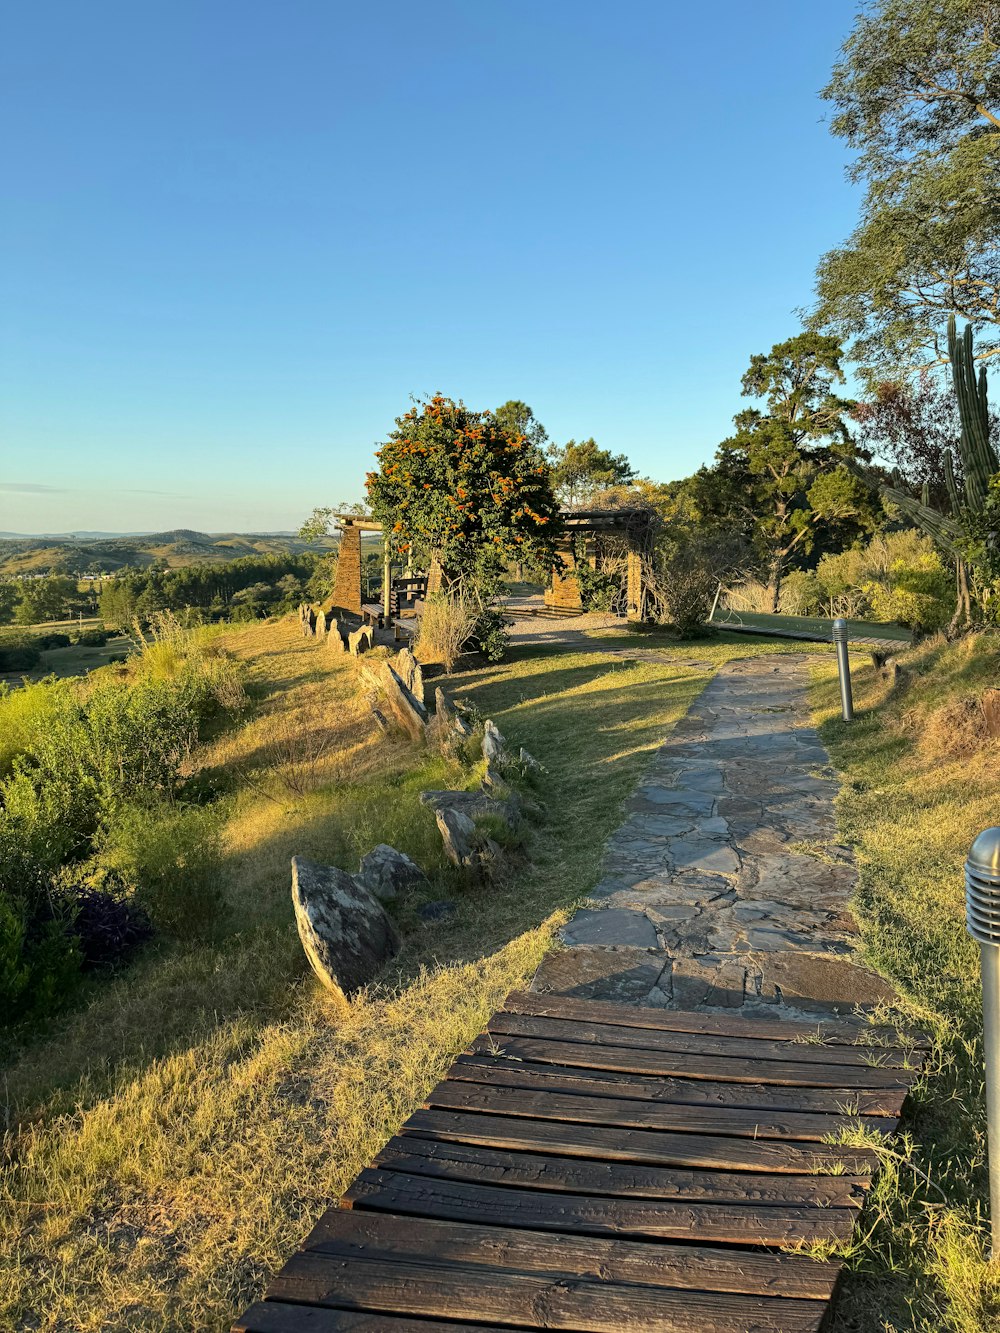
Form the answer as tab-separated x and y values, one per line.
917	95
581	471
466	488
785	468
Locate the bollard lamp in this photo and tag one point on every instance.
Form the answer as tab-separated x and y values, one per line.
982	920
843	668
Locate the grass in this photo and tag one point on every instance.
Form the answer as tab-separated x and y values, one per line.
917	789
174	1137
818	625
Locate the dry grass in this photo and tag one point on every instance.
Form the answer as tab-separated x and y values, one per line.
917	790
443	630
179	1134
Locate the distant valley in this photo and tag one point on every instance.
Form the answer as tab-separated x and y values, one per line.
106	553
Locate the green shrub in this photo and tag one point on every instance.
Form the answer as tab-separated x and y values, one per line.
52	640
93	638
170	858
19	652
39	962
599	590
801	593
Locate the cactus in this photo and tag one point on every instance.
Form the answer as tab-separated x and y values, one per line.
979	458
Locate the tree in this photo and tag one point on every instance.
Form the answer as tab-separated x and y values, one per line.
44	599
8	600
911	426
581	471
786	468
460	486
917	94
517	418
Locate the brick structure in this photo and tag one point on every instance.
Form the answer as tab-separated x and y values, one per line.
564	590
347	587
599	533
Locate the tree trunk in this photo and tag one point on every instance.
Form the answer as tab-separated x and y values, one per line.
774	586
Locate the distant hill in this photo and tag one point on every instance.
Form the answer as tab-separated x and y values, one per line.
81	554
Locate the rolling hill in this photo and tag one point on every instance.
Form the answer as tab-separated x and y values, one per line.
104	554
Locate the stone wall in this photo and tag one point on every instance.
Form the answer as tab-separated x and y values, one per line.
564	591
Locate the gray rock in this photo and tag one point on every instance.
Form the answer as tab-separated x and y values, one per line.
529	763
473	804
464	845
335	638
408	711
387	873
614	928
494	746
410	672
442	910
359	640
446	710
344	930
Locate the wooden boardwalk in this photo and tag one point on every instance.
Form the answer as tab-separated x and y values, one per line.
593	1166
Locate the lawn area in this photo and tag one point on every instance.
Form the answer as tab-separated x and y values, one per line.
920	782
815	625
174	1137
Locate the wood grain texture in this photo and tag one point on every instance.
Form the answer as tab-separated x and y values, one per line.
565	1254
699	1043
460	1161
620	1113
723	1025
713	1223
661	1148
278	1317
502	1072
840	1079
438	1290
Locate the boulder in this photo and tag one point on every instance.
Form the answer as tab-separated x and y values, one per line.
444	709
528	762
335	639
408	711
494	746
410	672
387	873
473	804
464	846
360	640
344	930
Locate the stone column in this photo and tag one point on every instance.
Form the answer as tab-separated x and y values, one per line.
347	586
564	590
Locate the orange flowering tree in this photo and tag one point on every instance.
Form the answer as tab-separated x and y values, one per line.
467	488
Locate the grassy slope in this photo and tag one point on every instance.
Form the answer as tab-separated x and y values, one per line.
858	629
187	1126
920	783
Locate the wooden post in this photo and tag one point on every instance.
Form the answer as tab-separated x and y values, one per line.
386	578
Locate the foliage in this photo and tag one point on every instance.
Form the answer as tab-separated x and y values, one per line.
917	95
169	859
458	485
911	425
897	577
444	628
251	587
964	527
581	471
8	600
19	652
490	633
786	469
689	583
48	598
517	418
600	589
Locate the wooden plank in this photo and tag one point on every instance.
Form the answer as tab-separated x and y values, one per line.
658	1147
546	1004
460	1161
620	1113
697	1043
502	1072
709	1223
277	1317
529	1300
732	1069
652	1263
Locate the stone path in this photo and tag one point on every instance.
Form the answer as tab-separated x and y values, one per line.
725	887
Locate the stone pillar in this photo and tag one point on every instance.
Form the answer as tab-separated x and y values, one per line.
435	577
347	586
564	590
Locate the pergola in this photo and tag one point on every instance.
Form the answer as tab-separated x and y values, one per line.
603	532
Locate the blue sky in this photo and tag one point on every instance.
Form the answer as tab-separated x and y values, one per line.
236	236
